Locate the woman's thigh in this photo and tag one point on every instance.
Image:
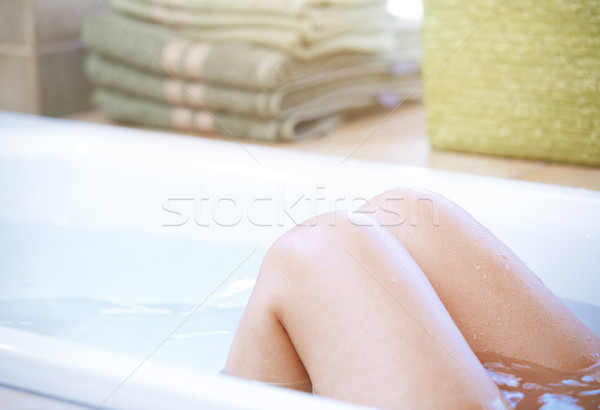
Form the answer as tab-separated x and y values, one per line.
498	304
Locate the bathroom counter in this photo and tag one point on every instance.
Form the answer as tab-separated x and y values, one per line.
401	138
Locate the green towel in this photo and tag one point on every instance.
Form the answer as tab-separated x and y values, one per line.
353	87
160	50
269	28
126	108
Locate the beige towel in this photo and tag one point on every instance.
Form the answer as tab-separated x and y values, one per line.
349	88
139	111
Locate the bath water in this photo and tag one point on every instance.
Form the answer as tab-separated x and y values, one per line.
125	291
529	386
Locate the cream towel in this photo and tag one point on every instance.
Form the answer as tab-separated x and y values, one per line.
313	24
139	111
289	7
342	34
356	41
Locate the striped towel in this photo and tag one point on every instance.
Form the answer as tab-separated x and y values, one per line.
126	108
357	88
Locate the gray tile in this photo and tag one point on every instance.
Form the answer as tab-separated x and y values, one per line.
58	20
64	88
17	86
13	22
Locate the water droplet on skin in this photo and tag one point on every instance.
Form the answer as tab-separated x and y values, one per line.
477	267
393	280
504	256
588	338
484	276
485	322
474	336
531	386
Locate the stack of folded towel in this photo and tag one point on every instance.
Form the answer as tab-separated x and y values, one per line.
268	69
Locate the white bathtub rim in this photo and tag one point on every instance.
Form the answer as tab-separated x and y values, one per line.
86	376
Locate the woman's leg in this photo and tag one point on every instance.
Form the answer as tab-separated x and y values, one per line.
342	302
498	304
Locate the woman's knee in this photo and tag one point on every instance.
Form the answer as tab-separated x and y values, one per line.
409	207
301	257
310	241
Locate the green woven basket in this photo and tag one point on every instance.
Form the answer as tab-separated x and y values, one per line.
515	77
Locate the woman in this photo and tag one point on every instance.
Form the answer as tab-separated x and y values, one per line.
389	306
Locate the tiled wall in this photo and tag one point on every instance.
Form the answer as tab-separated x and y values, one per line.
41	56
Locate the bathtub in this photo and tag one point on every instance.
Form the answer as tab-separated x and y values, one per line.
127	256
